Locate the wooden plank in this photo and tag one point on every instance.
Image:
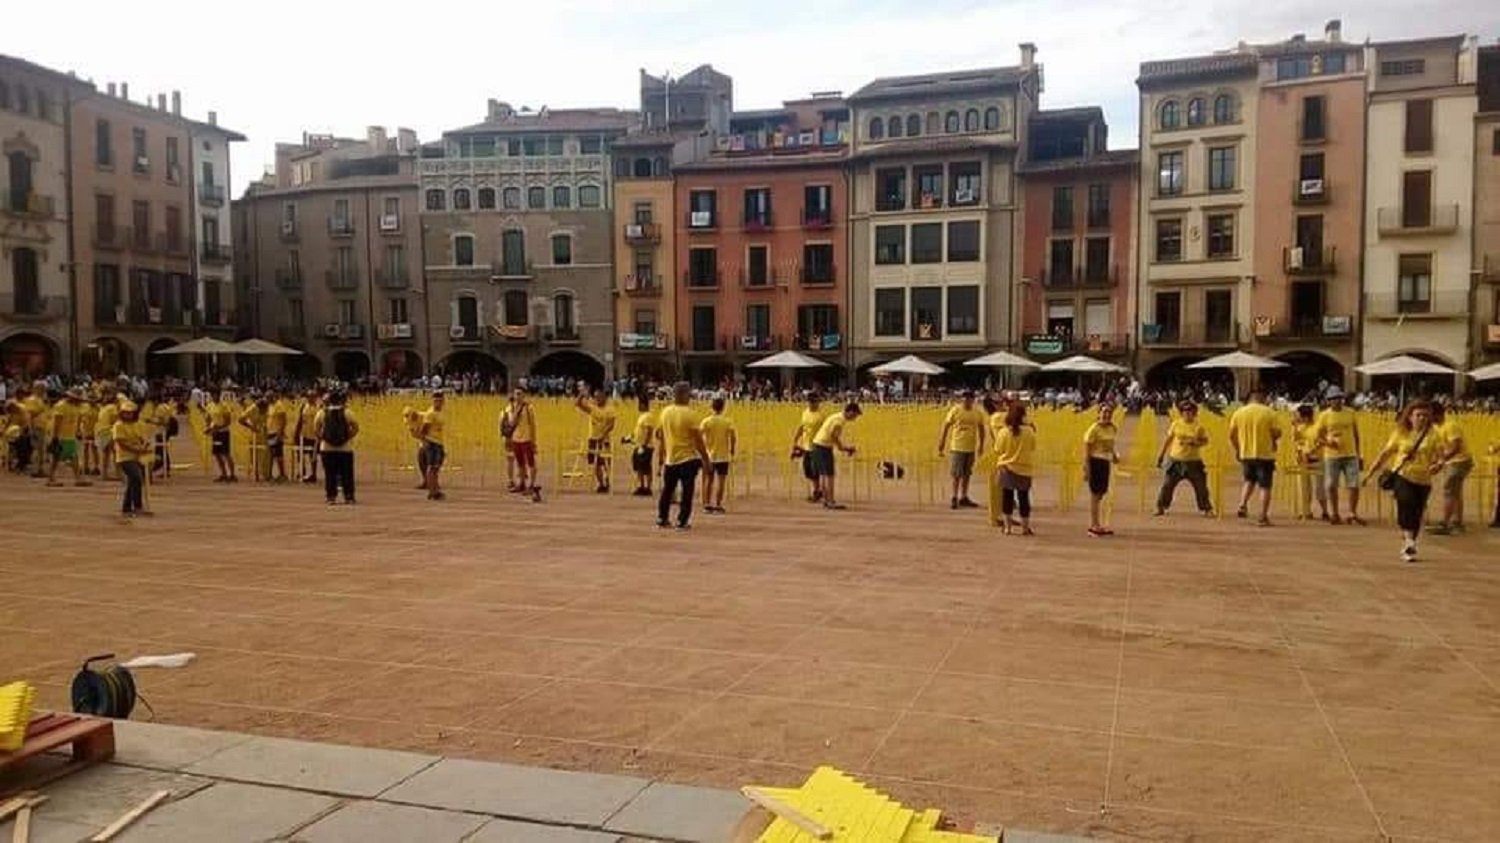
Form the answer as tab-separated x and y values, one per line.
786	812
93	738
22	831
130	816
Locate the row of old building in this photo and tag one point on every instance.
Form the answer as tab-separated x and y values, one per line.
1314	200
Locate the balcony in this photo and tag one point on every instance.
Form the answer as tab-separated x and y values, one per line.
33	308
703	343
757	222
1197	335
642	233
340	227
1305	260
817	275
1098	218
817	219
1062	223
890	202
1090	275
702	220
171	246
210	194
394	332
1100	345
511	270
31	204
512	334
341	332
642	285
1303	328
393	277
561	336
390	224
770	280
345	279
633	341
139	240
291	334
701	279
465	334
817	342
110	237
1417	221
288	279
1311	192
758	342
1441	304
217	253
289	232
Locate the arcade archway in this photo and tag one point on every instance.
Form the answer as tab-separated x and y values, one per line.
28	355
569	364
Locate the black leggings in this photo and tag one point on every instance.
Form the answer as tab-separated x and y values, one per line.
338	470
1411	504
1011	499
686	474
135	475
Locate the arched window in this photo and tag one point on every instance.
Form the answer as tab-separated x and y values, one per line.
514	308
971	120
562	249
913	125
658	166
588	196
893	127
23	265
950	122
1195	113
642	168
562	196
487	198
877	128
991	119
510	198
934	122
1223	109
1170	116
436	201
461	199
463	250
563	326
466	315
536	197
622	168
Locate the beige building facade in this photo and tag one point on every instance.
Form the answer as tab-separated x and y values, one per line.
645	257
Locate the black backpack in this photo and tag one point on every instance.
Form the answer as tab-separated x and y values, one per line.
336	427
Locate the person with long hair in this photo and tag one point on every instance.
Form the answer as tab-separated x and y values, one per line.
1417	451
1099	456
1460	461
1015	460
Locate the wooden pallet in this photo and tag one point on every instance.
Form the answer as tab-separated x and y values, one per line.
92	740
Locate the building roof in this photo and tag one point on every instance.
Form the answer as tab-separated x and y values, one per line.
754	114
1301	46
1198	67
155	113
556	120
1454	41
259	190
946	82
928	144
1099	160
1082	114
33	67
703	75
650	140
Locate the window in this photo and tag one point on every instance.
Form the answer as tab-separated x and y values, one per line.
1333	63
966	182
395	262
817	263
641	212
533	147
513	252
758	321
1294	67
486	199
890	312
536	198
396	311
701	208
759	266
817	204
562	250
991	119
703	267
554	145
346	311
435	199
963	241
893	127
27	290
18	164
913	125
890	244
645	322
23	99
890	189
1403	67
174	169
1060	261
1168	316
1218	316
1419	126
562	197
929	179
104	155
461	199
513	147
211	232
1416	199
590	145
510	198
140	162
43	105
1195	113
1309	168
4	95
563	324
1312	118
1220	235
1223	109
950	122
104	214
173	220
927	243
817	320
296	313
934	122
757	207
971	120
515	308
589	196
1062	209
140	218
704	327
926	313
877	128
1171	117
1169	174
1221	170
963	310
1169	240
1096	260
1495	143
1098	210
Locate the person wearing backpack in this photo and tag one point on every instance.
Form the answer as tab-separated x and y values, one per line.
335	429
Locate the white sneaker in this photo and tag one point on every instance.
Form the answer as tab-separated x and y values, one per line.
1409	552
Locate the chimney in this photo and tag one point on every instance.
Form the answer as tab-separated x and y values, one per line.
124	90
213	118
161	102
375	136
1333	31
406	141
177	103
111	88
1028	54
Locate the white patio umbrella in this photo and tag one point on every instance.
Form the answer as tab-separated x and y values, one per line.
1486	373
258	347
911	364
1081	363
201	345
1237	360
1403	364
1003	360
787	360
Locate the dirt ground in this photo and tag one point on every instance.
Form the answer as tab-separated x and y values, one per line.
1185	679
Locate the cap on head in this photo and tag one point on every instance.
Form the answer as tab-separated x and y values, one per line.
1335	393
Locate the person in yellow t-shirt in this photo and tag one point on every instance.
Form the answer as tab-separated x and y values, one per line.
307	443
808	425
962	437
1182	449
722	442
683	455
1015	465
523	436
131	439
602	415
830	438
34	402
1338	431
1494	454
218	416
1308	446
104	433
278	416
63	436
431	430
643	437
252	417
88	420
1099	457
1460	462
335	427
1415	451
1254	432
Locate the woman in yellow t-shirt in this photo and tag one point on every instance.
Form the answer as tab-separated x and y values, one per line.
1307	440
1099	455
1415	452
1015	461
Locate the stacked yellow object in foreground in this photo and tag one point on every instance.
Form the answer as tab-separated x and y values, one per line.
15	714
833	806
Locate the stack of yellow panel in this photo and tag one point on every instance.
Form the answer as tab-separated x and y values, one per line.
15	714
833	806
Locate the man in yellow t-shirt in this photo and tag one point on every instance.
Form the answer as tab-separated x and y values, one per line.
1459	461
808	425
602	415
683	455
278	420
307	443
88	420
431	431
722	442
218	417
644	436
1183	451
523	437
63	436
1254	432
253	419
104	433
1337	429
830	438
34	403
963	438
131	439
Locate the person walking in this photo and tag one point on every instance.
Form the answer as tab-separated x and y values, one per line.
722	441
830	438
1015	460
1460	462
643	437
602	416
63	435
1338	430
1418	453
335	428
1254	432
131	439
962	437
1307	445
1099	457
432	423
808	426
683	455
1183	451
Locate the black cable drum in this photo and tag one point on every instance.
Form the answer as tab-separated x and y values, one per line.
103	692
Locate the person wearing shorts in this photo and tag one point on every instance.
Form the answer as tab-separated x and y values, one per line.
523	444
67	415
219	415
1337	429
1099	456
104	436
1460	462
307	412
602	417
433	452
276	424
962	437
1254	431
643	436
722	441
829	438
807	427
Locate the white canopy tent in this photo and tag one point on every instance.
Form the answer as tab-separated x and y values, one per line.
911	364
1486	373
1403	364
201	345
1003	360
261	348
1082	363
787	360
1237	360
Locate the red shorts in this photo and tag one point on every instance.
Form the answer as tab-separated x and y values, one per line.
525	453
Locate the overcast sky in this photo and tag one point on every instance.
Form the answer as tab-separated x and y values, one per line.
273	69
